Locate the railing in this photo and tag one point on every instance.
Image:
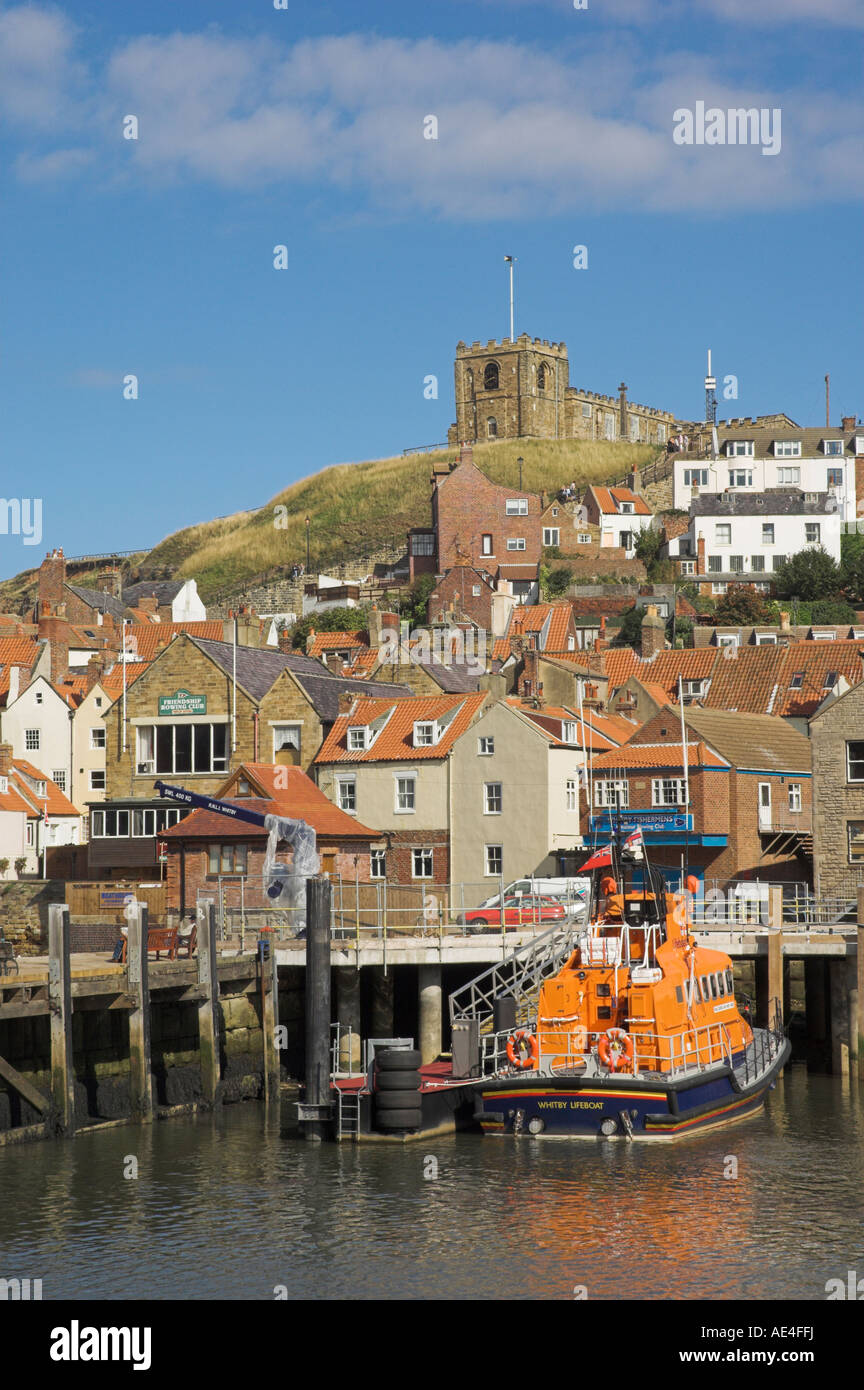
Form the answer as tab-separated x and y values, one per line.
520	975
566	1050
764	1049
425	449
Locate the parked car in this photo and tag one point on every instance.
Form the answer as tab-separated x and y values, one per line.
573	893
518	912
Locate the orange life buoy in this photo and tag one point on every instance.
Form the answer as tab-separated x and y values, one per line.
615	1047
516	1056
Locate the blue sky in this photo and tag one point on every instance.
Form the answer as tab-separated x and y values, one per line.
304	127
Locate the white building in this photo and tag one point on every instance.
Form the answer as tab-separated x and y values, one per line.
38	725
754	458
745	537
621	514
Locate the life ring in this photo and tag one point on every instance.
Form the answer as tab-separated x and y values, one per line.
614	1048
515	1055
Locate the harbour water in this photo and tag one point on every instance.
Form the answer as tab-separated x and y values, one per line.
235	1206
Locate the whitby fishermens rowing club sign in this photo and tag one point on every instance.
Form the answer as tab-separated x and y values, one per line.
650	821
181	702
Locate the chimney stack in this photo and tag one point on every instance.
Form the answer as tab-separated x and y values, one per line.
108	582
346	701
466	454
94	671
784	622
52	577
848	422
700	551
6	755
653	632
285	641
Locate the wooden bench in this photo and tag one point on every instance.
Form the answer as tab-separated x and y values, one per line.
158	939
8	960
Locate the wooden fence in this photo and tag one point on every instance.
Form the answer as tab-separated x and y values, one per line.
106	901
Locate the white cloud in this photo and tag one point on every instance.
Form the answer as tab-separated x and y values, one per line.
765	14
521	131
38	73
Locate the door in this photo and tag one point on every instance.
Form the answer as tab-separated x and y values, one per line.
764	806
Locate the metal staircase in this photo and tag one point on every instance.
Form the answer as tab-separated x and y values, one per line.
520	974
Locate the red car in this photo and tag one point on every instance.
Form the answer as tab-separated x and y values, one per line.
518	912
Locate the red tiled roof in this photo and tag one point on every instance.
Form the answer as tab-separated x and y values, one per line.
335	641
534	617
58	803
608	496
395	740
759	680
18	651
691	663
289	793
146	639
112	682
658	755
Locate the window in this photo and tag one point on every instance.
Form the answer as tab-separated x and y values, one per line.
423	545
736	564
542	377
740	477
490	376
789	477
723	533
516	543
634	429
767	532
424	733
787	448
492	428
693	687
377	864
347	791
757	563
98	701
612	794
610	425
584	538
486	545
778	561
97	738
688	566
719	588
31	740
795	797
586	412
551	535
824	636
715	564
835	478
833	447
110	824
516	506
357	737
486	746
572	793
405	793
661	434
492	798
727	640
494	861
797	680
569	731
38	697
475	590
286	736
59	779
226	859
421	863
812	532
181	748
147	822
855	762
766	639
739	449
855	834
830	680
667	791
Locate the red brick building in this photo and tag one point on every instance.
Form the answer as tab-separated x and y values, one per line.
206	849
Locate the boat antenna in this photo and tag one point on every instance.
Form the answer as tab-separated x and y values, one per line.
685	761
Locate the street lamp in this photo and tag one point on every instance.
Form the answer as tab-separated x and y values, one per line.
520	463
307	544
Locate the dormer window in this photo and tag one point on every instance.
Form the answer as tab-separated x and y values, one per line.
569	731
243	787
358	737
830	680
626	508
833	447
797	680
424	733
787	448
739	448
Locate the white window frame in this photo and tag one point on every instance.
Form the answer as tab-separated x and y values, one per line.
571	793
787	448
423	850
32	740
357	738
659	796
516	506
688	566
515	542
812	526
695	477
422	728
583	538
551	535
30	838
98	739
486	746
727	639
795	799
789	477
491	796
377	861
739	449
604	799
767	532
833	448
724	527
399	777
279	732
859	761
740	477
346	787
497	869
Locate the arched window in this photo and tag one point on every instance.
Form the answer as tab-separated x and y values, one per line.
492	427
490	376
542	377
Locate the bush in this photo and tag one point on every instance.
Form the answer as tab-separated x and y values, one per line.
332	620
742	605
830	611
555	583
811	574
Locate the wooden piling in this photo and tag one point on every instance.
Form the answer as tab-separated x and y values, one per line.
60	1004
317	1098
860	971
140	1076
270	1022
208	1007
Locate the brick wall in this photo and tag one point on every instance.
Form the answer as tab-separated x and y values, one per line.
336	858
399	855
454	597
466	506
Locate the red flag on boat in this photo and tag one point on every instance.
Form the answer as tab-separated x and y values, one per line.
600	859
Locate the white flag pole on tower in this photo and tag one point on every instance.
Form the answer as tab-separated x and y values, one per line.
511	260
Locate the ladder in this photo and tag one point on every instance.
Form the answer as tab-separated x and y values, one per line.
520	974
347	1114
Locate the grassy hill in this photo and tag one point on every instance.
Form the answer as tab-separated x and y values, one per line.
354	509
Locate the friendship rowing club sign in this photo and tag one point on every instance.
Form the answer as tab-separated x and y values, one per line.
182	702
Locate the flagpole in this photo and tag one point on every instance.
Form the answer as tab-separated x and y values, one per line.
684	759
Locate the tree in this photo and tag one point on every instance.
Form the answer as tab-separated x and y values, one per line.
810	574
852	565
828	610
556	582
417	606
331	620
741	605
630	631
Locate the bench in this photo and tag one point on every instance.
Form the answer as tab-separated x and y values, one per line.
188	943
8	960
158	939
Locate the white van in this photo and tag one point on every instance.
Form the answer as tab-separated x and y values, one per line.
574	893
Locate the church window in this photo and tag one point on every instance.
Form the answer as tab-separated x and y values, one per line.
490	376
542	377
492	427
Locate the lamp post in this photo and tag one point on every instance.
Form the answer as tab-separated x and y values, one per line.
520	463
307	544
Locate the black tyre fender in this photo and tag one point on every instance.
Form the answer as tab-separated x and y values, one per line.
399	1119
398	1081
398	1059
396	1100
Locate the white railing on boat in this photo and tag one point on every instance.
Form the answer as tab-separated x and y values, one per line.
674	1054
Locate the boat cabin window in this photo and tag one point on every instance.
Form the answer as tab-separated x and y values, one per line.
730	982
712	980
604	1013
604	991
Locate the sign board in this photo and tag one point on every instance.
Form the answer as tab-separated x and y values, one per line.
116	897
656	821
181	702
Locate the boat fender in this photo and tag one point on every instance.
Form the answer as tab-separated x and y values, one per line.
522	1049
615	1047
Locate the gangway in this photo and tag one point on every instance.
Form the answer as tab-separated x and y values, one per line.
520	974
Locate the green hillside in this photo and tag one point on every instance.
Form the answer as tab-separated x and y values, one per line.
354	509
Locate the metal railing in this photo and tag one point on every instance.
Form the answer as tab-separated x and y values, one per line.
763	1051
566	1050
520	975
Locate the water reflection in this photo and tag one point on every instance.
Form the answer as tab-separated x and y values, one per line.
230	1206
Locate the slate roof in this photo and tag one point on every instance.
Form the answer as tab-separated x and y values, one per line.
775	502
96	598
763	437
457	678
166	590
759	742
